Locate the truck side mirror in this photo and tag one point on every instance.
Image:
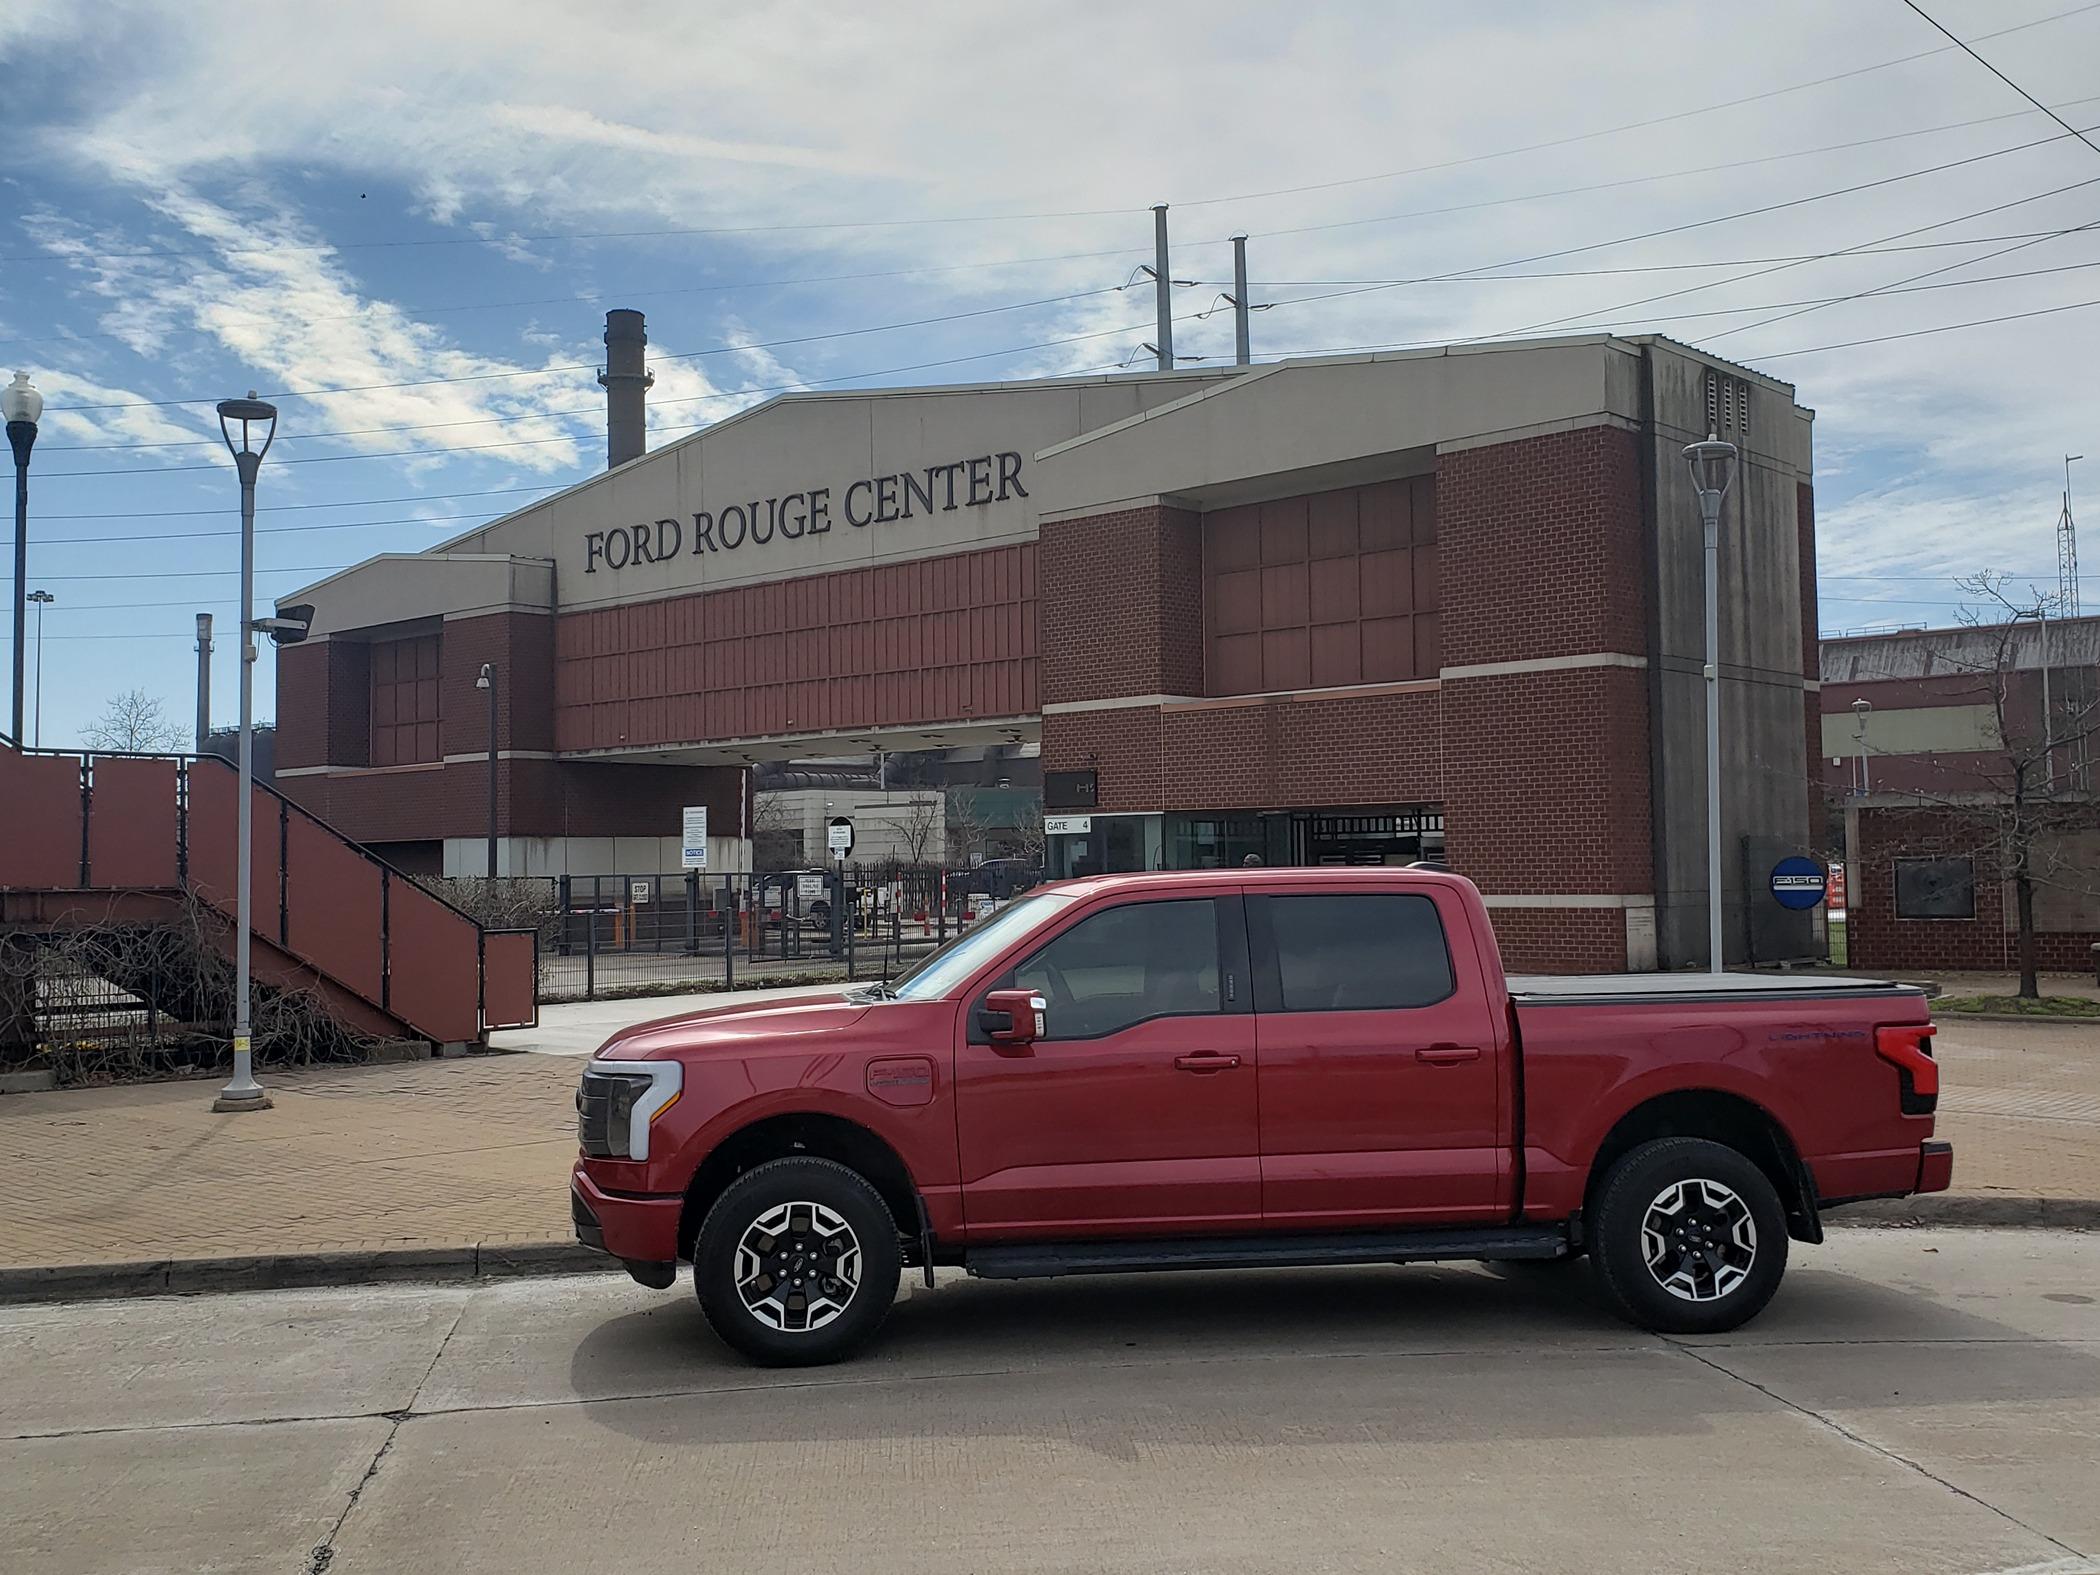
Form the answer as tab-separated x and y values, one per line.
1014	1017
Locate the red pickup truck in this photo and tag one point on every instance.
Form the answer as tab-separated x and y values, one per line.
1218	1069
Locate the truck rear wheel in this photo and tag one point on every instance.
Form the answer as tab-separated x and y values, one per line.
1688	1237
796	1264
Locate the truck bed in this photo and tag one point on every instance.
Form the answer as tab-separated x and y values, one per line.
1621	989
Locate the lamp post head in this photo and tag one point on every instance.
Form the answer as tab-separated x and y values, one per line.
248	412
487	680
1861	708
20	401
1713	467
40	598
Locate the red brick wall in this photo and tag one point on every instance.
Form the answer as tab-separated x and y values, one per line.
1281	752
1323	590
521	648
1122	746
933	640
1540	550
1876	940
324	694
1124	591
1546	784
1561	940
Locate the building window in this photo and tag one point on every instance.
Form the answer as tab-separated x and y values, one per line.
1322	591
405	701
1935	889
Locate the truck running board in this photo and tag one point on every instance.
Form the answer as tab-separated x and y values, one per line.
1042	1260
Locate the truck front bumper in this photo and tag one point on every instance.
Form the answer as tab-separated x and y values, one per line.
636	1229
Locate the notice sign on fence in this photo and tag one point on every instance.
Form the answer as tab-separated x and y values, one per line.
693	838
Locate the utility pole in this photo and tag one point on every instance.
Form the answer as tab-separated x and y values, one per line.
1162	288
203	680
1242	354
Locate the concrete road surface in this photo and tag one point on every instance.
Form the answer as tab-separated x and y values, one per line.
1915	1401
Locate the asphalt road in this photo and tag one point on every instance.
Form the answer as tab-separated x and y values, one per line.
1914	1401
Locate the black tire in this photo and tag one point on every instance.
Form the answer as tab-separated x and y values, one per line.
1720	1285
795	1184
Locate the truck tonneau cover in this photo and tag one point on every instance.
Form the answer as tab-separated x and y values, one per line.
1592	989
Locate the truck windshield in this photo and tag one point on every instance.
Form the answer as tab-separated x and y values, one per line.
934	976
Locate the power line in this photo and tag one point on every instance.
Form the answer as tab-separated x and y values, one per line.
592	366
264	530
1570	251
701	289
279	508
807	383
1920	333
2002	77
1967	262
1069	213
1637	125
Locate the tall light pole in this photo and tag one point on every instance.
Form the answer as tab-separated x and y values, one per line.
42	599
24	407
1713	468
1863	708
242	1092
487	681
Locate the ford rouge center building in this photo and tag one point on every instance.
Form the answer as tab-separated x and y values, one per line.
1440	604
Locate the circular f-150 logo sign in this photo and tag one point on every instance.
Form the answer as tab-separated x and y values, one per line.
1798	883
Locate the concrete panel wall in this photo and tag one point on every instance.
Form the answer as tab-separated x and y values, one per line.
1765	766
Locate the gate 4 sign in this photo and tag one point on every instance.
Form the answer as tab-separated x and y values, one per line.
1798	883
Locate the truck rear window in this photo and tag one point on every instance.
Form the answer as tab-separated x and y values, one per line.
1359	952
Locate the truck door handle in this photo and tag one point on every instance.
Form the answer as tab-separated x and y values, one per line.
1206	1061
1447	1055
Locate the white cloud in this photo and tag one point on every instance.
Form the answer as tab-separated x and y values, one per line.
510	117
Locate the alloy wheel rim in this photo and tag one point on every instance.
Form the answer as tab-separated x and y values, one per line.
798	1267
1699	1240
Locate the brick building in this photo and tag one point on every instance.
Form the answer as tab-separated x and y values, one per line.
1437	604
1923	731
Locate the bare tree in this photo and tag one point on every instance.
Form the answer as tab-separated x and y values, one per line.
2015	809
776	838
134	721
966	828
919	828
1030	841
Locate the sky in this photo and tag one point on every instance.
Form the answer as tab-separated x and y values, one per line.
404	223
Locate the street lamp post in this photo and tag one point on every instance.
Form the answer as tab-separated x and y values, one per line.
1863	708
1713	468
242	1092
487	681
23	406
42	599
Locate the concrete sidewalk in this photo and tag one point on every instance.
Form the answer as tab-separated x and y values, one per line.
458	1168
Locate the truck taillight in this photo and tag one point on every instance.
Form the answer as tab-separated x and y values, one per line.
1908	1048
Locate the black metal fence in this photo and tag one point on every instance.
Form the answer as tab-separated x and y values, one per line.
615	934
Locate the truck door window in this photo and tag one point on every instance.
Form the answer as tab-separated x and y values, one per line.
1359	952
1122	966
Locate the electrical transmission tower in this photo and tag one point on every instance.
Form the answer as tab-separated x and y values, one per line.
2067	550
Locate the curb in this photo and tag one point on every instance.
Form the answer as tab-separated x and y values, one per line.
1932	1210
1945	1019
298	1271
523	1259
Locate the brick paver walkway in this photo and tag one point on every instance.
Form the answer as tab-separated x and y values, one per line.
454	1153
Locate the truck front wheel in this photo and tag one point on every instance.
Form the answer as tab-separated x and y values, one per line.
1688	1237
796	1264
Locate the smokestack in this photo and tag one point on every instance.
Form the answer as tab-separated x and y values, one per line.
626	385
